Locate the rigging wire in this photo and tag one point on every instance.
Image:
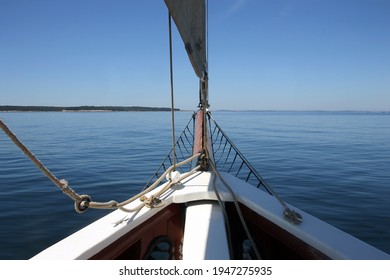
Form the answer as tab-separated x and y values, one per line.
172	94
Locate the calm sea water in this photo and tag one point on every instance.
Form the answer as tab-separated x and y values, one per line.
335	166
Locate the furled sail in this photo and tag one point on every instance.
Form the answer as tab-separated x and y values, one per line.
190	19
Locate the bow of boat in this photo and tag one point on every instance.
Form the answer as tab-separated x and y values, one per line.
190	223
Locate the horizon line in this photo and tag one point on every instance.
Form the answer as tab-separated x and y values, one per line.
90	108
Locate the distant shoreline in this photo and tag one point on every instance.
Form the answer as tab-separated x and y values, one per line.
85	108
16	108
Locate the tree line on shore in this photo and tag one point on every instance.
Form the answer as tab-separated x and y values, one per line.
11	108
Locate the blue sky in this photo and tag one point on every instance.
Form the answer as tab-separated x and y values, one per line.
263	54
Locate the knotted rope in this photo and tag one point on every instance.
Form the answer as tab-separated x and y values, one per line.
83	202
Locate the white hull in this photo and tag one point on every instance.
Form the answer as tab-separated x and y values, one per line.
201	237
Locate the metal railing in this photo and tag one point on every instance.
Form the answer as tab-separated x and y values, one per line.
184	147
227	157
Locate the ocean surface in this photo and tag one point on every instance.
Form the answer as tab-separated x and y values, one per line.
333	165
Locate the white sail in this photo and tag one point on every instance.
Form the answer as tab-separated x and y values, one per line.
190	19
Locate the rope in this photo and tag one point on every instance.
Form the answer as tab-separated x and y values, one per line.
152	202
62	184
244	225
83	202
225	216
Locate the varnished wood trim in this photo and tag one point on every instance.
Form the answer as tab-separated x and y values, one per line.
198	132
272	241
134	244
